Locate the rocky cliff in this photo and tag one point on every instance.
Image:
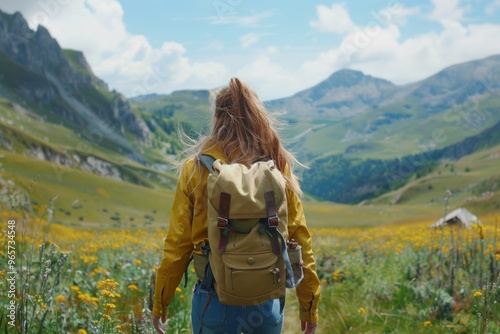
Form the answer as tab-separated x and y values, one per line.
60	83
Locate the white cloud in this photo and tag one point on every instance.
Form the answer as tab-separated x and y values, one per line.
334	19
249	39
244	21
378	48
400	13
449	10
215	45
386	56
493	7
128	62
268	78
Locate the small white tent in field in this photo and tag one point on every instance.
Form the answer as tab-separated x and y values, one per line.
458	216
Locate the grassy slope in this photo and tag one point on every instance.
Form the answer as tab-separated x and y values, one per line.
98	198
101	198
404	136
462	177
61	139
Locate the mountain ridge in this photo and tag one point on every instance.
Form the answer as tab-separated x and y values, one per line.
61	78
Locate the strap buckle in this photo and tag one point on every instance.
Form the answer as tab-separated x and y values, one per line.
222	222
273	221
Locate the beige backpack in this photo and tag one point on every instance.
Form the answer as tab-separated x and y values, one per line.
247	229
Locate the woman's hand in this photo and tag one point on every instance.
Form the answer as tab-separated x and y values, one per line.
156	324
308	327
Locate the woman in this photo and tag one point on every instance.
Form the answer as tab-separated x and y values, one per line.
241	132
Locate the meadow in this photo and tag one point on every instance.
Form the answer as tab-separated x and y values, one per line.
392	278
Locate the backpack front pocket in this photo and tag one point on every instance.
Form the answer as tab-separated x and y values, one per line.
251	275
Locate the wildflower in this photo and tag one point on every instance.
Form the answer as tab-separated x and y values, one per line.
480	233
178	290
60	299
44	307
107	293
478	294
111	306
82	331
362	310
338	275
133	287
428	324
85	297
118	327
74	288
107	284
138	262
497	256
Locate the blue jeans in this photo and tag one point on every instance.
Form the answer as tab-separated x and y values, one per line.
212	317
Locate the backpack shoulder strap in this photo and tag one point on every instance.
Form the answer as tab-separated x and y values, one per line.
207	161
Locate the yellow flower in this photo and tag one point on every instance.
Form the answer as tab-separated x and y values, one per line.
497	256
138	262
428	324
362	310
111	306
74	288
118	327
133	287
60	299
338	275
178	290
478	294
107	284
44	306
82	331
182	297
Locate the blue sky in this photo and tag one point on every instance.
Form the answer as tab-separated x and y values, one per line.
279	47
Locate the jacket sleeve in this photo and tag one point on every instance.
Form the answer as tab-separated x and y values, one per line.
177	248
308	290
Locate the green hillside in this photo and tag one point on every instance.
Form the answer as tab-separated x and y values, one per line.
401	129
474	181
85	199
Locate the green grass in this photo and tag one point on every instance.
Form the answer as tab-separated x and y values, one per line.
461	177
404	136
98	198
327	214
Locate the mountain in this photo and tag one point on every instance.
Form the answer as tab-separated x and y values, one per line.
457	85
344	94
348	93
54	109
60	86
357	133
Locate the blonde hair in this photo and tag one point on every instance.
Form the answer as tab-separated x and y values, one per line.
244	131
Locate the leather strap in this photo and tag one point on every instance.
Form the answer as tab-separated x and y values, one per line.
224	204
272	216
223	220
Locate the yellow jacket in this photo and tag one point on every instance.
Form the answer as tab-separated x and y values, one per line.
188	230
